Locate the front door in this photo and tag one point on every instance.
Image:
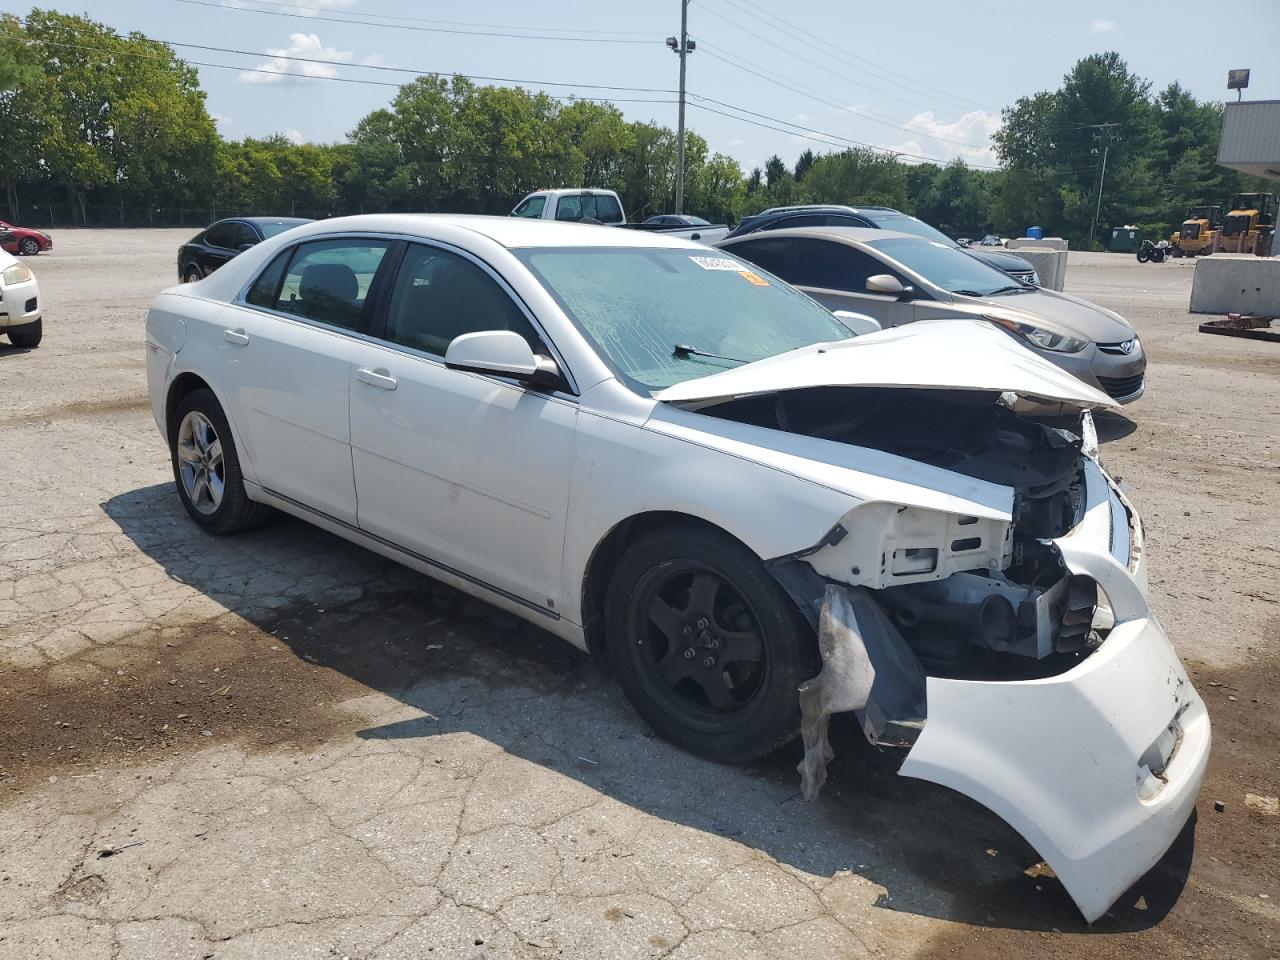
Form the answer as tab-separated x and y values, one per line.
287	356
470	472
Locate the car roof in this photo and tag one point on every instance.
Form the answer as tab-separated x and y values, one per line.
293	220
824	207
512	232
860	234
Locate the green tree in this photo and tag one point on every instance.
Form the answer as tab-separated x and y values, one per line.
858	176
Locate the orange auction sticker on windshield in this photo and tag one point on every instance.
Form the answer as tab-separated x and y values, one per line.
753	278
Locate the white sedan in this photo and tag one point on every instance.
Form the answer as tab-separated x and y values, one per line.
20	310
654	451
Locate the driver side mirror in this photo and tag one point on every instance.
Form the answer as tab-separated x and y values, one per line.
502	352
887	283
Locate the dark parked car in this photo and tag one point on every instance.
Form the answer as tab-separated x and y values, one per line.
218	243
677	220
884	218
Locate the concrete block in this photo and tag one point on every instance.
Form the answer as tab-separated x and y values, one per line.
1050	264
1236	284
1045	243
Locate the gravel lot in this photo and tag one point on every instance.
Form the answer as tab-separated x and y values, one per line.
279	745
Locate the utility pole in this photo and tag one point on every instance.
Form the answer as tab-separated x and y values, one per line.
1102	179
682	48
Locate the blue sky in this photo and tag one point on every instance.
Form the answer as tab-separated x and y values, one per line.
926	78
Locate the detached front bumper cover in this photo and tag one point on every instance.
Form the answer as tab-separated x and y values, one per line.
1099	767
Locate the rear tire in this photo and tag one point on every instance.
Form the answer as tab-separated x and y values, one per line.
206	467
29	338
29	247
707	646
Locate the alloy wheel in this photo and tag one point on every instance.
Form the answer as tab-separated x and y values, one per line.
200	463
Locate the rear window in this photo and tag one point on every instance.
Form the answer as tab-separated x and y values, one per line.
599	207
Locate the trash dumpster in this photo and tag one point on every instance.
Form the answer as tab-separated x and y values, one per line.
1125	239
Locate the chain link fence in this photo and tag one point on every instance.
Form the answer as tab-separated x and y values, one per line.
58	214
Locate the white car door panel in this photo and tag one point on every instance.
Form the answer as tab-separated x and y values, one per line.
290	381
467	471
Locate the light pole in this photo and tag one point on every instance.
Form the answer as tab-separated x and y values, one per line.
1102	179
682	47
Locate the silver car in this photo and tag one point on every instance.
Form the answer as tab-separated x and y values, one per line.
897	278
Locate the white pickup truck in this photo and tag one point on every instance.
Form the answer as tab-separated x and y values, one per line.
603	206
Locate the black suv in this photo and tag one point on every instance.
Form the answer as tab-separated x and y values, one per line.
219	242
885	218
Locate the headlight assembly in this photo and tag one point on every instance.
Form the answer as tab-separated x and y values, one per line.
18	273
1037	337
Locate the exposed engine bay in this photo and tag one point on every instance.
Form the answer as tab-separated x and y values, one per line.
1015	611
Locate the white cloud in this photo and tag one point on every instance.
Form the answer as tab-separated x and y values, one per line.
1102	26
280	69
968	137
219	119
294	136
376	60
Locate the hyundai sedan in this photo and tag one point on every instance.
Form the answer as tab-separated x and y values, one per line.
658	453
898	278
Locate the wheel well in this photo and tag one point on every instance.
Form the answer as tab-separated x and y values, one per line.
182	385
609	551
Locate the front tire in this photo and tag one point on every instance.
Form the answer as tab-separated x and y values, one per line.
206	467
29	247
707	646
29	337
192	274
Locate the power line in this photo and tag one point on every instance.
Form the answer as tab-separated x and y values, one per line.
406	26
830	139
796	87
460	23
356	80
421	73
775	45
844	56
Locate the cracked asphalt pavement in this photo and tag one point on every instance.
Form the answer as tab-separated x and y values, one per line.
280	745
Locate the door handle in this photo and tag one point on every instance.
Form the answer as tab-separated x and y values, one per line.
238	337
379	378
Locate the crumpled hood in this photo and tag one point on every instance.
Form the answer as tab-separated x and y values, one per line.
1061	313
931	354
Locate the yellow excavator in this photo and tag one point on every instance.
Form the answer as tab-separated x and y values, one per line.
1197	232
1250	225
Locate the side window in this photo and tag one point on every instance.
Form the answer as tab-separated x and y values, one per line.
531	207
834	266
245	234
439	295
771	255
605	209
221	235
841	220
329	280
801	220
263	291
569	208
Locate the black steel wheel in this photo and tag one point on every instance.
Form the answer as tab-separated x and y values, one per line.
707	646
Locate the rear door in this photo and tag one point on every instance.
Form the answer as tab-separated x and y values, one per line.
286	352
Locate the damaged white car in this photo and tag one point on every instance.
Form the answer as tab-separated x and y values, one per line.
657	453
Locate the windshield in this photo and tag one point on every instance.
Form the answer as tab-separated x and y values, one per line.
904	224
947	267
653	312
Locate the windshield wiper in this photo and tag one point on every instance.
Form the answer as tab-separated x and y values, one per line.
682	351
1017	288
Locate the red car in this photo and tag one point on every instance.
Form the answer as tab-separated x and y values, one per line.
23	240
